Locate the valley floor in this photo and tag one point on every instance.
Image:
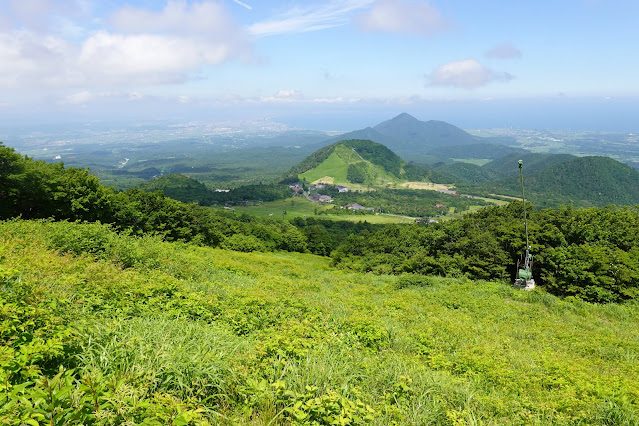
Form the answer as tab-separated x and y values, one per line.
194	335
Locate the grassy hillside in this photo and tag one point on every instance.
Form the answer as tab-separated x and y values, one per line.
345	160
191	335
334	166
358	162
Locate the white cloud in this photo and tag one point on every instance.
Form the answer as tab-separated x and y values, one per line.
143	47
402	16
28	59
313	18
504	51
337	100
284	95
79	98
84	97
121	56
53	16
467	74
31	13
206	18
243	4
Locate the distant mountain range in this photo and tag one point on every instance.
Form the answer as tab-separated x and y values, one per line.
433	140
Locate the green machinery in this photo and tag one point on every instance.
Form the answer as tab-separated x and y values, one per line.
524	277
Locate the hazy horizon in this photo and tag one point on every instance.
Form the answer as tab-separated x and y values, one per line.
337	65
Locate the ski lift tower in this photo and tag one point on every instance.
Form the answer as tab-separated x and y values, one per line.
524	277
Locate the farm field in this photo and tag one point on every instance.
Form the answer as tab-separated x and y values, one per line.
301	207
429	186
134	329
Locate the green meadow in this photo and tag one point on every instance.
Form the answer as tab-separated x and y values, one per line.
301	207
109	329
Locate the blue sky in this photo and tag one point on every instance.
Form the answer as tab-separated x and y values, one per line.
323	64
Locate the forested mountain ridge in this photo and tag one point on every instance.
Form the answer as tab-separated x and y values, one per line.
482	150
466	173
188	190
507	165
582	181
501	166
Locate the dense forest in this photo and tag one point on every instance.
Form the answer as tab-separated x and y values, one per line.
552	180
591	254
188	190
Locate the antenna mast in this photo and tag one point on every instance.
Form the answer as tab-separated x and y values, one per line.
523	198
523	277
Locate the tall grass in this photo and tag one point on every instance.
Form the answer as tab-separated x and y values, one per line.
189	335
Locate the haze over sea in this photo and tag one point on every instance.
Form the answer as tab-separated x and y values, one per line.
337	65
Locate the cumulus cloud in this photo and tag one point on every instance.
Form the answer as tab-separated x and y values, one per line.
146	58
178	17
27	59
31	13
176	39
44	15
140	47
402	16
504	51
467	74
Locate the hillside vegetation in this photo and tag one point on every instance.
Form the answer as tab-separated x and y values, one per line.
100	328
133	308
582	181
188	190
358	161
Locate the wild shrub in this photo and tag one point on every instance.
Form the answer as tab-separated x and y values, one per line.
409	279
591	254
243	243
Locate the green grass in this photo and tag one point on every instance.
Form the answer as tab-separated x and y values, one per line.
301	207
334	166
194	335
495	201
475	161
